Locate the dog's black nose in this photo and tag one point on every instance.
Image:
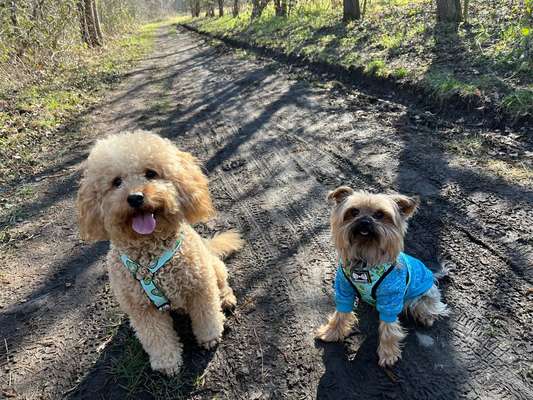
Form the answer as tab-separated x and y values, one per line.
136	200
364	226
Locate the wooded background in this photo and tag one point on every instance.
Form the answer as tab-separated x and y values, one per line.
448	11
38	33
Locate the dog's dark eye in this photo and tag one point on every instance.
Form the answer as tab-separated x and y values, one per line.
117	182
351	213
379	215
150	174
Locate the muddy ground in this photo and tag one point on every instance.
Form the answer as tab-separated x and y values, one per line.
273	142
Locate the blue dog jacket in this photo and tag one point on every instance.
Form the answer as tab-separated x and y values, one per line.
385	286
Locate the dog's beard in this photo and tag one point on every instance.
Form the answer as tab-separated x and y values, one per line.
380	246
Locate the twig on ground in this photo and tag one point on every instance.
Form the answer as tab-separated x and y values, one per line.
261	354
7	350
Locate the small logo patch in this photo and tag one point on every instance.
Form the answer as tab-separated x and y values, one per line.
361	276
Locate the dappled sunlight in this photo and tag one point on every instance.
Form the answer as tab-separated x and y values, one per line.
274	139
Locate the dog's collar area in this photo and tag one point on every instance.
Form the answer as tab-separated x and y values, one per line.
145	275
357	265
367	281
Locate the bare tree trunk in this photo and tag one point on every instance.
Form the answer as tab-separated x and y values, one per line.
257	8
210	9
449	11
220	8
196	8
98	28
89	23
280	7
351	10
465	10
235	10
83	23
364	8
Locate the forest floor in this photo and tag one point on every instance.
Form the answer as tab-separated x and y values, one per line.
274	139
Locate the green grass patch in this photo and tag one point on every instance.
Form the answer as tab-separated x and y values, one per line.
133	372
446	85
400	72
488	59
519	102
376	68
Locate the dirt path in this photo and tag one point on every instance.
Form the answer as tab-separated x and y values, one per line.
273	146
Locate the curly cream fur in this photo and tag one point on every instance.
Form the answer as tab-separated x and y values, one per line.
195	279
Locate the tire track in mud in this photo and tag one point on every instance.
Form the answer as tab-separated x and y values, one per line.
328	172
292	290
459	373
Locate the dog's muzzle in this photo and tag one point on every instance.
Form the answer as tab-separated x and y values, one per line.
364	228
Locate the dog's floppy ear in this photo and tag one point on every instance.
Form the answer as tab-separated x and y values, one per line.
90	218
191	183
406	205
338	195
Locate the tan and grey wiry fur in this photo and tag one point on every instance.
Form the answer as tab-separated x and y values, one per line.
389	215
195	279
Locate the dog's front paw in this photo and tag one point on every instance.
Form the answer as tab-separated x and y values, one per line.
329	333
388	356
210	334
228	300
169	366
338	327
210	344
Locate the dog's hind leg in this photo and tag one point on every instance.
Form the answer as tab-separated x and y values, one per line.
205	311
227	298
429	307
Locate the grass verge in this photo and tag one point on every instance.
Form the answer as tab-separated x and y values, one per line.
486	64
37	120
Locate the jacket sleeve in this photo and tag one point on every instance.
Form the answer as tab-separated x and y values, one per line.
389	297
344	293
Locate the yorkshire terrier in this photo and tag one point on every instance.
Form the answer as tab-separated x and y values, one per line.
142	193
368	232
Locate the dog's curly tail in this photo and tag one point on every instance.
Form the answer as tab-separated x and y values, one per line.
225	243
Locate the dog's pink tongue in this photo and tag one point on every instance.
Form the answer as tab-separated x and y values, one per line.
143	224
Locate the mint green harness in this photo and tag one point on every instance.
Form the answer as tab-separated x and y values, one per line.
366	280
145	275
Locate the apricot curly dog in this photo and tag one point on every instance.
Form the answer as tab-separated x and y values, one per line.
142	193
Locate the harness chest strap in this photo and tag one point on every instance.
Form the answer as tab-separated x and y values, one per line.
366	281
145	275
